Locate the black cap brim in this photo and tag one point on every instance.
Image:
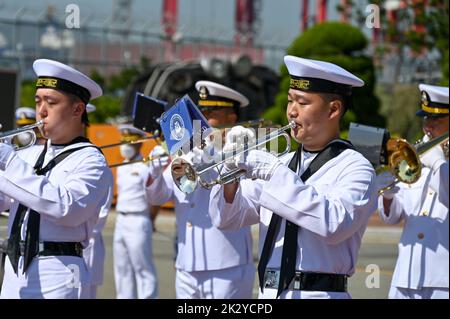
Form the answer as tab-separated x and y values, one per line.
422	113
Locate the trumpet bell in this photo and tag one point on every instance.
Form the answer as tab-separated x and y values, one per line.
403	161
184	175
24	133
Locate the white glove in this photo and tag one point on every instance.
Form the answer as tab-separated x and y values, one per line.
432	157
237	135
234	142
6	152
158	165
197	155
258	164
385	179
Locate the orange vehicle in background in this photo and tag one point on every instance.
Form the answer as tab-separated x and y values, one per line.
106	134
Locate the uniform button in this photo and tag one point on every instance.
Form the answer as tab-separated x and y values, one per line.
424	213
192	205
430	193
420	235
189	224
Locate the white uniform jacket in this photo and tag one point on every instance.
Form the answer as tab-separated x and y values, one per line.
331	208
423	247
201	246
68	198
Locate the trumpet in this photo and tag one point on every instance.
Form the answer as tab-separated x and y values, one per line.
404	159
143	160
187	175
9	135
252	123
153	137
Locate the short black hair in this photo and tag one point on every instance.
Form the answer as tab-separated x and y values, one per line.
347	101
76	99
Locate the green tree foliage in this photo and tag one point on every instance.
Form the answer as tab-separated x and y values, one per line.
343	45
27	91
400	104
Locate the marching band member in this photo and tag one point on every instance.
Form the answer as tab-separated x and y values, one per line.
421	271
210	263
54	191
312	205
134	270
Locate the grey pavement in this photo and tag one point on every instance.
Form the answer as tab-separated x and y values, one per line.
374	269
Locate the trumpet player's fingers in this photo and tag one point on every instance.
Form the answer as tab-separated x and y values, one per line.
6	152
238	133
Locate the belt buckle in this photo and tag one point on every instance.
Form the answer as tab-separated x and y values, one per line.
78	249
297	281
271	279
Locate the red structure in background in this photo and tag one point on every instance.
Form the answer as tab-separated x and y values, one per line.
304	15
169	22
170	17
246	18
321	14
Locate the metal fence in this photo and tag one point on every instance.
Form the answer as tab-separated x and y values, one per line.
30	32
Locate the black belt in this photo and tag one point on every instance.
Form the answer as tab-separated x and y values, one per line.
308	281
50	248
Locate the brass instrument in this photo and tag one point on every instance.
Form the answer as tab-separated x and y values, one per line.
9	135
143	160
404	159
187	175
252	123
153	137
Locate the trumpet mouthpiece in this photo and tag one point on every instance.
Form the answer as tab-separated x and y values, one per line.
292	124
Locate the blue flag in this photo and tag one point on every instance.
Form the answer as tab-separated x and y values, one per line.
184	126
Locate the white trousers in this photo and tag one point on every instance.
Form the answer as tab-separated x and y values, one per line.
134	271
230	283
50	277
424	293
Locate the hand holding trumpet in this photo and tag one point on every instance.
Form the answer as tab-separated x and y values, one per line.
159	161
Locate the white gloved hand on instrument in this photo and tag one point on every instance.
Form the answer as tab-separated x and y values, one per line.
234	142
158	164
6	152
258	164
383	180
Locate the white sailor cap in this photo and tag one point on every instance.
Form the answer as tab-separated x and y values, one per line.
25	116
90	108
216	96
129	133
319	76
55	75
434	101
